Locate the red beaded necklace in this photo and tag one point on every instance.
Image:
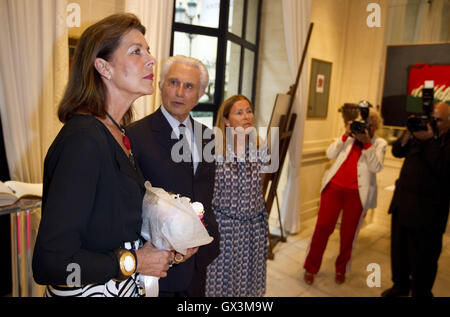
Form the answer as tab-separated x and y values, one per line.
125	139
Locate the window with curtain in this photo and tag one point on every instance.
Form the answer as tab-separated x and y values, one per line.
224	35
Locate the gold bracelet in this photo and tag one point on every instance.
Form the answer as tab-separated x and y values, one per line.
127	263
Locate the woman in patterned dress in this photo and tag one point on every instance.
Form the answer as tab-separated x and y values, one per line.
238	204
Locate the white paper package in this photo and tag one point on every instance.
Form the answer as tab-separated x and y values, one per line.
170	221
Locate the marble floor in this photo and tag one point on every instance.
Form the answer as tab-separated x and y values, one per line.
285	271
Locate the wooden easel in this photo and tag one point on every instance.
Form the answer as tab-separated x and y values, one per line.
286	128
285	138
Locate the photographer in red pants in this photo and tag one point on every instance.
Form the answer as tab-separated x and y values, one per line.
349	185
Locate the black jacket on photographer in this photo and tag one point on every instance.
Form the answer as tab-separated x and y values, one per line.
422	192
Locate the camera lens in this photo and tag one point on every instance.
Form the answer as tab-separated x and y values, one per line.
358	127
415	124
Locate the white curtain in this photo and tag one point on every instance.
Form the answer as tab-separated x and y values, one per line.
419	21
34	59
33	74
429	19
156	16
296	17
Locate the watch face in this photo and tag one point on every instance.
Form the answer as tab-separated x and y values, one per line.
128	263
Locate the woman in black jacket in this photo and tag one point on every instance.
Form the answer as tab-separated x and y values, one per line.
88	242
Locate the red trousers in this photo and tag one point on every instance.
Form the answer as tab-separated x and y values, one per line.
334	199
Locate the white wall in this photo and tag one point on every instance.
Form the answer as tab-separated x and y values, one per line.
93	11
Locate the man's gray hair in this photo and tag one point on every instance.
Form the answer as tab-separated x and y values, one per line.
204	76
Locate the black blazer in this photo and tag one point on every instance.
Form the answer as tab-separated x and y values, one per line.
151	144
422	192
91	204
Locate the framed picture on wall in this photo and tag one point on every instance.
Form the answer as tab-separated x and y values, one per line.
319	88
406	69
417	75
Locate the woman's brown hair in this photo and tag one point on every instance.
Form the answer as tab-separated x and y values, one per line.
85	91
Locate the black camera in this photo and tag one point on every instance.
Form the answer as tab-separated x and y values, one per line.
420	122
360	127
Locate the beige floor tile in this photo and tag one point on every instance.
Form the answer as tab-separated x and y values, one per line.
285	271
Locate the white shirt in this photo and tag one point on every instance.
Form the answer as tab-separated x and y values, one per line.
174	123
370	163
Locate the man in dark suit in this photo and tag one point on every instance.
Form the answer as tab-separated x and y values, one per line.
154	142
420	207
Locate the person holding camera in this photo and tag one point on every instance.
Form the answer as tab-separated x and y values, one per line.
420	206
349	185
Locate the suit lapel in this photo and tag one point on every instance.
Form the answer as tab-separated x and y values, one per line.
162	127
163	130
163	133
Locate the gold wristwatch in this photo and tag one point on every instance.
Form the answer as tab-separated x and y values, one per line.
127	263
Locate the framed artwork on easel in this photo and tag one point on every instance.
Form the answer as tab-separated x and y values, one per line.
319	88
